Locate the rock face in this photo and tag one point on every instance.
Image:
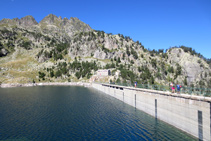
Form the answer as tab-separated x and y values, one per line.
50	20
55	39
191	68
3	52
14	21
27	21
65	26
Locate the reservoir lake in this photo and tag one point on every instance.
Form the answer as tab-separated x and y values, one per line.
76	113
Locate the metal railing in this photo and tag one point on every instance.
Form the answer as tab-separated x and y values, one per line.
184	90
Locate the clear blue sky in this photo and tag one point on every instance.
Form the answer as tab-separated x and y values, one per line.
157	24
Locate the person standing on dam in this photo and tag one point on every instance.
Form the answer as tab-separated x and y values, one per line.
172	88
178	88
135	84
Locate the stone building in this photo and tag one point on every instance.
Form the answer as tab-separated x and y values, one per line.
103	72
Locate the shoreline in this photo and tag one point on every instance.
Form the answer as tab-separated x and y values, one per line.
11	85
87	84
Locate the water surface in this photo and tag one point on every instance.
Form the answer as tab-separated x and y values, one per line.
76	113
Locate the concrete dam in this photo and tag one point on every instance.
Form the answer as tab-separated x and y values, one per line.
189	113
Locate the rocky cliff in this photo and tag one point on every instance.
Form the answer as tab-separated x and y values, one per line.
62	49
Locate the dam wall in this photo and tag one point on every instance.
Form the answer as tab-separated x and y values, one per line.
189	113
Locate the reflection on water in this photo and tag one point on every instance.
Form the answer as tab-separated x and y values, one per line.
76	113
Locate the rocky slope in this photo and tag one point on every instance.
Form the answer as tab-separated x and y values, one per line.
57	49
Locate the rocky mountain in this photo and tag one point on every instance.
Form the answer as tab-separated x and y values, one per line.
62	49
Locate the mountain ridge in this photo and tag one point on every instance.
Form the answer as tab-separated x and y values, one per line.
65	49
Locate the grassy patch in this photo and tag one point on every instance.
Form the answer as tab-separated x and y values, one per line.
105	60
19	67
13	76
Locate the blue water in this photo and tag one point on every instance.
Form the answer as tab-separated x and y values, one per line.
76	113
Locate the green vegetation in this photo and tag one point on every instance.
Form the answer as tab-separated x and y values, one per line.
81	69
26	44
146	75
128	75
41	75
55	51
134	53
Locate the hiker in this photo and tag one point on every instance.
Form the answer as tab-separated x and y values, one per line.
172	88
135	84
178	88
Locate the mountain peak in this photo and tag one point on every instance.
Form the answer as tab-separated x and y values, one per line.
6	21
25	21
51	19
28	21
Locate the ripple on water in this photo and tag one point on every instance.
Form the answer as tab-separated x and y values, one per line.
76	113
